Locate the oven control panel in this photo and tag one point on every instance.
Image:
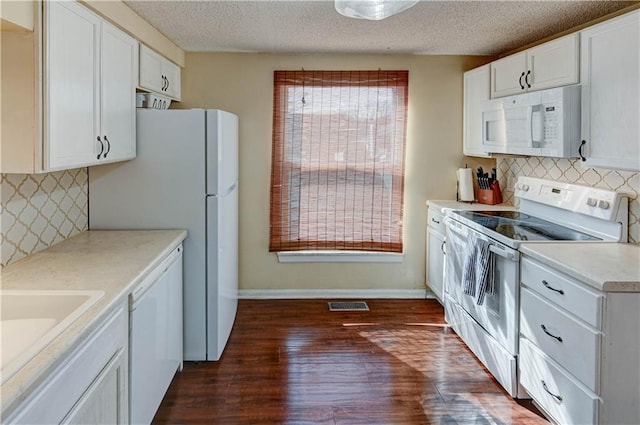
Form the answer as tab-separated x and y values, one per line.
591	201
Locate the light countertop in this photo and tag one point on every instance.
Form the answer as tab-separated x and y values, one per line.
611	267
110	261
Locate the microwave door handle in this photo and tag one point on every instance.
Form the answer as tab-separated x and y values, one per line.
535	120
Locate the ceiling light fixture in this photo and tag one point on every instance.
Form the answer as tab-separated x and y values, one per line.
374	10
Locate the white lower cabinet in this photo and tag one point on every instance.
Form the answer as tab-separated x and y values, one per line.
90	386
435	252
579	356
556	391
100	404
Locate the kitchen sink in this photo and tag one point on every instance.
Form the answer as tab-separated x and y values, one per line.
31	319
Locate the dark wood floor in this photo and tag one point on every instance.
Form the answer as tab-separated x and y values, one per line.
294	362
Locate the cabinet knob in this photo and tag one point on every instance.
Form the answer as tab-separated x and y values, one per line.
551	288
101	148
108	146
556	337
582	143
556	396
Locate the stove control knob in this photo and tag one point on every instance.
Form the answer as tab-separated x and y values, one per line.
592	202
604	205
525	187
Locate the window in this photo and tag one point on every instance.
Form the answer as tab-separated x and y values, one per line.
337	172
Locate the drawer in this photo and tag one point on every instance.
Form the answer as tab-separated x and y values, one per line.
496	359
572	344
564	291
561	396
435	218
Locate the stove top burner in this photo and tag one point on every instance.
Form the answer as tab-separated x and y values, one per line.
524	227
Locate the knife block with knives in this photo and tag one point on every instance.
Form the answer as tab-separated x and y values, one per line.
488	191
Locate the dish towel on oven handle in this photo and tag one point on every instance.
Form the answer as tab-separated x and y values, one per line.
478	275
485	274
469	270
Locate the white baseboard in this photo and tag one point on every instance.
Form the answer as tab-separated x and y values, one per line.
281	294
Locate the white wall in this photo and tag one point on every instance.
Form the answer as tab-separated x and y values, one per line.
243	83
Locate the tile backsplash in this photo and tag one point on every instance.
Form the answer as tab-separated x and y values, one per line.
40	210
570	171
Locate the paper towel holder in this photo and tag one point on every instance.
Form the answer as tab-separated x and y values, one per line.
460	176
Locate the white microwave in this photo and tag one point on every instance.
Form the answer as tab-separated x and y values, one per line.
541	123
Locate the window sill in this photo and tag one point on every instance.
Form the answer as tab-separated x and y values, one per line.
338	257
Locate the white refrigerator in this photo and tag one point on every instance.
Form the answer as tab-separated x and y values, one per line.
185	175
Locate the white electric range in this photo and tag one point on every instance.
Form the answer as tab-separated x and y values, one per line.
549	212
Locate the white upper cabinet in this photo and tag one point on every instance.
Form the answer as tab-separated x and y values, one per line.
90	89
68	92
507	75
119	69
552	64
72	86
476	90
610	75
159	75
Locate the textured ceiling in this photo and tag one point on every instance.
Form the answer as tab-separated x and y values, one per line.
305	26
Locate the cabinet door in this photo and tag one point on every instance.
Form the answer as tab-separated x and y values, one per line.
103	403
150	70
553	64
72	86
70	385
159	75
609	70
119	59
476	90
507	75
435	263
171	72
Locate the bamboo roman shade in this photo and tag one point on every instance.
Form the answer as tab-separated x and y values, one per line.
337	175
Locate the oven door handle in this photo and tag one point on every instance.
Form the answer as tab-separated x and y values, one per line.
461	230
509	255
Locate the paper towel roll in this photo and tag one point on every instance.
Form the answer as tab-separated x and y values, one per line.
465	184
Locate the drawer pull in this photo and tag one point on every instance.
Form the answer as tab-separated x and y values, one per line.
556	396
442	247
546	285
544	328
434	220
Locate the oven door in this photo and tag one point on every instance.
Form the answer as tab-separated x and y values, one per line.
498	314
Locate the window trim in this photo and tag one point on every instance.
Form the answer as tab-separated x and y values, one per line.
336	256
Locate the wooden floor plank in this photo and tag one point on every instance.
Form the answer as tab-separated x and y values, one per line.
295	362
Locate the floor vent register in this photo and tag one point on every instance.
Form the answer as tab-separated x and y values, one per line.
348	306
